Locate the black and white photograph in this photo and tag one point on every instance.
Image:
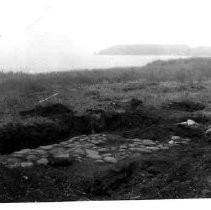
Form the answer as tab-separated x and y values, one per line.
105	100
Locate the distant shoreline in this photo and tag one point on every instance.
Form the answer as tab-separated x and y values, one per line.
156	50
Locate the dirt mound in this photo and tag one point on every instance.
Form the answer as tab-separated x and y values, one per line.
47	111
188	106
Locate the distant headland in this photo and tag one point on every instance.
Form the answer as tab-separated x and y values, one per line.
155	49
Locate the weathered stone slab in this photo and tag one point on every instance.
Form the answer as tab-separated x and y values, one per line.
110	160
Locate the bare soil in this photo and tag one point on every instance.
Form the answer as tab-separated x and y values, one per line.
182	172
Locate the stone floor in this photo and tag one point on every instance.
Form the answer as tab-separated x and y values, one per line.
96	147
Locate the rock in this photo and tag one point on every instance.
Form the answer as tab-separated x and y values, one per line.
123	147
70	145
26	164
13	160
153	148
16	155
163	147
191	122
57	150
24	151
103	149
42	161
64	143
171	142
88	145
60	155
79	151
208	131
13	165
91	152
48	147
31	157
107	155
94	156
41	152
148	142
175	138
110	160
143	150
113	148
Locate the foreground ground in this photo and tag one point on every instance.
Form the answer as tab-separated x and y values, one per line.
140	109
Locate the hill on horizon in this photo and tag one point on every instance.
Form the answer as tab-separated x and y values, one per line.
155	49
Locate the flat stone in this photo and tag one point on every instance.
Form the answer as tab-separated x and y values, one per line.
110	160
148	142
31	157
103	149
175	138
64	143
70	145
91	152
26	164
24	151
122	150
153	148
95	142
42	161
79	151
137	140
208	131
41	152
171	142
61	155
107	155
13	165
94	156
123	147
57	150
191	122
17	155
136	155
13	160
163	147
46	147
113	148
142	150
88	145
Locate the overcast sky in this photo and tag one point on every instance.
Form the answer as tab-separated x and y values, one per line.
50	28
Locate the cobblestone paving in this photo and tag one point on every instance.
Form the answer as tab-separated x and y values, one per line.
96	147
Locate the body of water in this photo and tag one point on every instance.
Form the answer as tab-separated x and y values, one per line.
83	62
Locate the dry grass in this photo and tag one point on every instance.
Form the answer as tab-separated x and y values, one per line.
156	83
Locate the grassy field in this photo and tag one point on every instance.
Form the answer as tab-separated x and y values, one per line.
155	83
168	175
